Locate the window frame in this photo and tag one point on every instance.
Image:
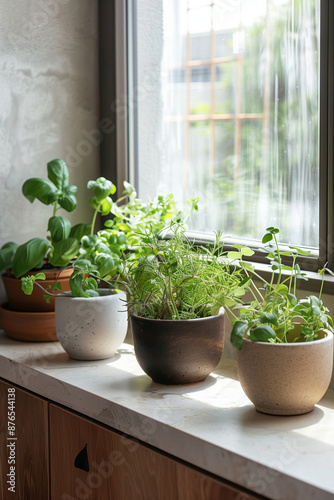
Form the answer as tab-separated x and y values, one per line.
118	86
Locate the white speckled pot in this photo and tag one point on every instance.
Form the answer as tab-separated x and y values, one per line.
91	328
286	379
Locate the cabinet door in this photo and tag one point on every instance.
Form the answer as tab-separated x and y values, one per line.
196	485
115	467
119	468
24	449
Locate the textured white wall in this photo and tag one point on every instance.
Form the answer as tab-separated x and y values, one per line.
48	104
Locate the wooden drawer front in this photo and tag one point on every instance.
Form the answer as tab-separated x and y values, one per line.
195	485
119	468
30	450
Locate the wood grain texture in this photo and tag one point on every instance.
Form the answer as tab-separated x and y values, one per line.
120	468
31	446
196	485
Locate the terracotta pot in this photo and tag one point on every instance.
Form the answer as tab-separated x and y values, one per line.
91	328
28	326
178	351
19	301
286	379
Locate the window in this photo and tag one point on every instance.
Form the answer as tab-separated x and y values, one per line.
228	102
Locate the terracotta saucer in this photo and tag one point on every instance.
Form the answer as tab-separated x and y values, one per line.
28	326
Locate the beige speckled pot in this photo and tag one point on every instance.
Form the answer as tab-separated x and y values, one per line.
286	379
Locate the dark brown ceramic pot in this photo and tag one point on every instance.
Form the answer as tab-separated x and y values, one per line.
19	301
178	351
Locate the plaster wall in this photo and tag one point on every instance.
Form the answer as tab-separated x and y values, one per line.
48	105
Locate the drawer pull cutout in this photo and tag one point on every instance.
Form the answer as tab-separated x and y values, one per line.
81	461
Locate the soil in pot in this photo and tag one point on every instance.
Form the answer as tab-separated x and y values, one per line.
288	378
178	351
19	301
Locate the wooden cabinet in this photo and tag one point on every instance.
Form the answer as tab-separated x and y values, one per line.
119	468
60	455
24	445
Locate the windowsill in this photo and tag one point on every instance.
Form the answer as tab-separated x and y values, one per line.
312	284
211	425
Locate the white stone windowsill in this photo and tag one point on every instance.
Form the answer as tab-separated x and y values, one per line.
211	425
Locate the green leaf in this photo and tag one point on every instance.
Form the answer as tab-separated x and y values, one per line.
244	250
238	332
234	255
272	230
70	189
267	237
262	333
300	251
315	301
292	299
102	247
63	252
128	189
94	202
58	173
85	265
269	318
89	284
227	301
109	223
89	241
106	205
315	310
247	251
123	227
239	292
59	227
7	253
285	268
68	202
39	276
27	283
105	264
56	286
29	255
246	265
42	189
282	289
246	282
101	188
80	230
121	238
76	282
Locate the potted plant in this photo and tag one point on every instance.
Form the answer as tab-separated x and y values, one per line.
100	259
284	345
31	317
52	254
176	295
89	322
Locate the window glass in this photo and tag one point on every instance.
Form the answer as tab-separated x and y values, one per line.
229	112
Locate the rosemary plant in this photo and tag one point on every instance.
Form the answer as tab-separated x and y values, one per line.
175	279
